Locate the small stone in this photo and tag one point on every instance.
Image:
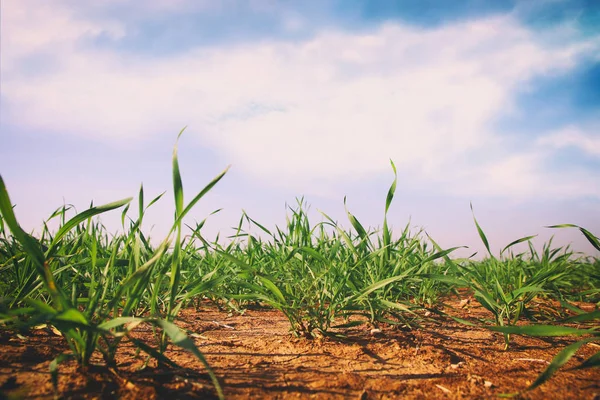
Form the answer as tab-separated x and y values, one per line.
457	365
443	389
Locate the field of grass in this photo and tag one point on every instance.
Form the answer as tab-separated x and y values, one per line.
97	289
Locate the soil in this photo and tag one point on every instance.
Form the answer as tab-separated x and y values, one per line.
255	356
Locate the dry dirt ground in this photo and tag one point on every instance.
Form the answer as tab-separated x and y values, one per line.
255	356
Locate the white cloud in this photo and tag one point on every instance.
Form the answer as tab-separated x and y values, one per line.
524	176
335	107
573	137
37	27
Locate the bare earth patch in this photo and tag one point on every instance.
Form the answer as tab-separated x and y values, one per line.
255	356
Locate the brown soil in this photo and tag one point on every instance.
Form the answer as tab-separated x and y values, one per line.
255	356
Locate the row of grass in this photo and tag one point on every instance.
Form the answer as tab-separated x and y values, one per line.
95	288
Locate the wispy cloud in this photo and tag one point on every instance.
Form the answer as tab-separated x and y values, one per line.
573	137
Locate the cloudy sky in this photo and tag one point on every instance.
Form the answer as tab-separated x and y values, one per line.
491	102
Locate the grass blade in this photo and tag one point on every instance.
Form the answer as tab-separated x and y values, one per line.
558	361
588	235
179	338
481	234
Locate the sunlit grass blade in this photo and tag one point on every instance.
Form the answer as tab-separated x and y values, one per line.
383	283
558	361
588	235
593	315
357	226
179	338
177	184
482	234
592	362
521	240
272	288
388	202
31	245
180	213
201	194
81	217
440	254
268	232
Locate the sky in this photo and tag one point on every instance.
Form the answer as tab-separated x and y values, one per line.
490	103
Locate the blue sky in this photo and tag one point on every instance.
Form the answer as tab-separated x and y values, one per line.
491	102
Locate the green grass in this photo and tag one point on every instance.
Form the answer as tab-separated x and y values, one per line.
95	288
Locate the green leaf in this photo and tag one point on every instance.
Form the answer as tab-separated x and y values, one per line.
440	254
526	289
392	190
119	321
388	202
179	338
592	362
141	204
124	215
141	272
481	234
235	260
154	200
486	300
588	235
76	220
30	244
309	251
523	239
382	283
558	361
153	352
72	315
201	194
272	288
590	316
177	184
446	279
356	224
396	306
41	307
268	232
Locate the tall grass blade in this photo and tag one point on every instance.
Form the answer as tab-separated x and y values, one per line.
481	234
388	202
30	244
588	235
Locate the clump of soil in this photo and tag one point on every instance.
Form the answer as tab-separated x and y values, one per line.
255	356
